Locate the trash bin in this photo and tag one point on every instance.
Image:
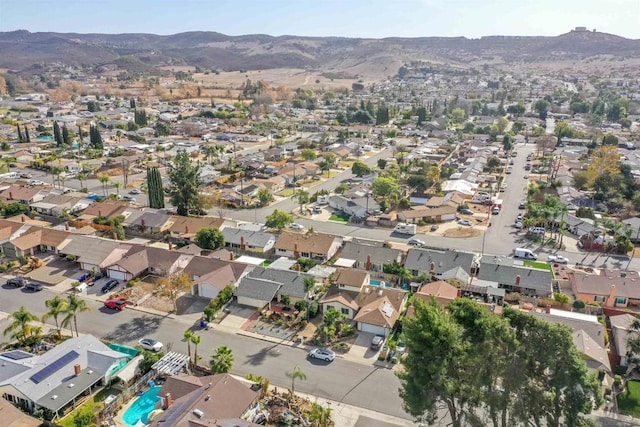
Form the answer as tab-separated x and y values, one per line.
203	323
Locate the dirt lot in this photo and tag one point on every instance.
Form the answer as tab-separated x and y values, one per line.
461	232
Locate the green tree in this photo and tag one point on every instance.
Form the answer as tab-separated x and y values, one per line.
296	374
360	169
542	108
302	196
493	163
209	238
187	337
609	139
67	138
195	339
384	187
20	327
75	306
278	219
563	130
56	306
502	124
154	188
104	180
308	154
264	197
185	183
507	142
341	188
57	136
285	300
95	139
457	115
83	418
221	361
382	163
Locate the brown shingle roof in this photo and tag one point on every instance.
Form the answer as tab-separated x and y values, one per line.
350	277
626	287
379	306
191	225
346	298
439	289
40	236
317	243
19	193
105	209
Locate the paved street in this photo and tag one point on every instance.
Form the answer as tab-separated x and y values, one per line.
343	381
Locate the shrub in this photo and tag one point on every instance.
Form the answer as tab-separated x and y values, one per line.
314	307
3	268
22	260
346	330
300	305
11	264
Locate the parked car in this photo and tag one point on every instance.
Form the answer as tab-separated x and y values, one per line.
322	354
35	182
558	259
401	347
128	198
110	285
416	242
135	191
34	286
376	342
151	344
465	222
487	202
115	304
434	227
518	224
317	210
25	175
296	226
466	211
18	282
522	205
519	218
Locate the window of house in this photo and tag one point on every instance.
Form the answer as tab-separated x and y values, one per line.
345	311
621	300
599	298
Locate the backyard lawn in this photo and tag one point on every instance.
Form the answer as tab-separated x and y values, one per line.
339	217
92	405
629	399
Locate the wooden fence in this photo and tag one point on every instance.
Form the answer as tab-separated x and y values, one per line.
126	394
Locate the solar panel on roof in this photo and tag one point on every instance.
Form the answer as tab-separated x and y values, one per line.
53	367
16	355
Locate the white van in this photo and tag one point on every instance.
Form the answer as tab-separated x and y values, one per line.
537	231
524	254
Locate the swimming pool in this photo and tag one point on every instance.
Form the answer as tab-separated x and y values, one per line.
378	283
141	407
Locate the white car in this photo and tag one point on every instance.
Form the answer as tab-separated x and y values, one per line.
135	191
36	182
465	222
416	242
322	354
151	344
296	226
518	225
558	259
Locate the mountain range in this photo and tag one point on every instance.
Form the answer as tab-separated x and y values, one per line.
22	50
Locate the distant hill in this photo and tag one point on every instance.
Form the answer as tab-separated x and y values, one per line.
20	50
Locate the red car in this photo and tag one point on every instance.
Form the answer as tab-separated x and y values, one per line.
115	304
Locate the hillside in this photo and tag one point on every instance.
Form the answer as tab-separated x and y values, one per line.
20	50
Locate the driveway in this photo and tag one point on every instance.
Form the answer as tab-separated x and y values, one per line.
361	348
238	316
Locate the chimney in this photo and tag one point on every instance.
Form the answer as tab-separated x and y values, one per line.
10	195
22	218
612	292
77	369
99	212
380	292
115	236
167	401
295	251
66	226
142	224
231	256
242	244
186	229
369	262
170	246
518	280
547	309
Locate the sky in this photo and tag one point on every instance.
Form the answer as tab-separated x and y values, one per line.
346	18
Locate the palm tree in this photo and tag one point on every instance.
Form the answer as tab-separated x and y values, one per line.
75	307
104	180
195	339
81	177
56	171
222	361
20	326
309	283
187	336
296	374
56	306
117	185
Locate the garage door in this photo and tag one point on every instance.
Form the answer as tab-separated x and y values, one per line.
119	275
251	302
206	291
365	327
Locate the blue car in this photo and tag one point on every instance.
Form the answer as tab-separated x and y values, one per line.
110	285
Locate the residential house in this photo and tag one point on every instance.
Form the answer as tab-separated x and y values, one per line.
26	195
248	240
379	309
183	227
14	417
357	207
348	279
610	288
425	214
515	276
39	239
256	293
274	184
57	204
11	230
152	221
292	282
621	330
107	209
148	259
443	264
317	246
210	276
216	400
93	253
368	255
441	291
59	379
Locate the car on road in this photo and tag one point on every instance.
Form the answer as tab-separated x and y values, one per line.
151	344
416	242
322	354
296	226
25	175
135	191
519	218
518	225
35	182
522	205
34	286
115	304
526	176
110	285
434	227
465	222
558	259
18	282
128	198
466	211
